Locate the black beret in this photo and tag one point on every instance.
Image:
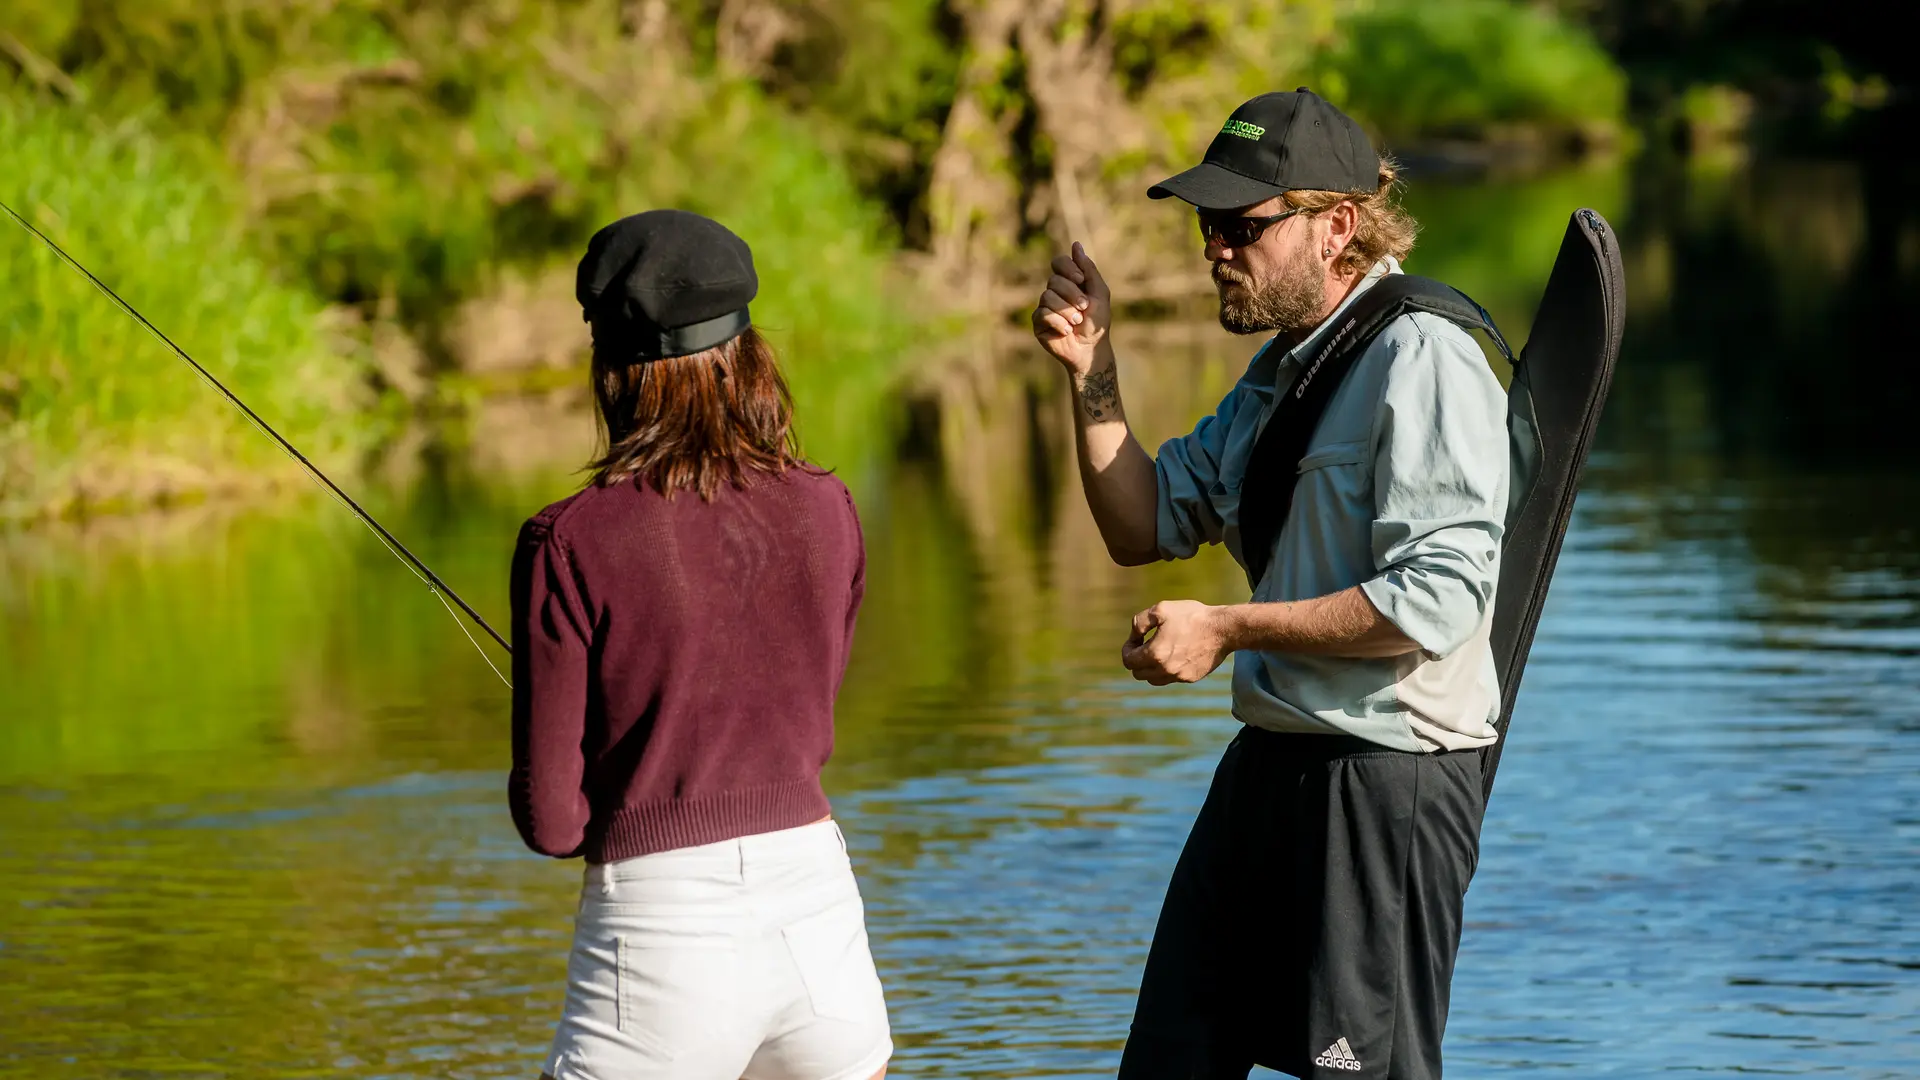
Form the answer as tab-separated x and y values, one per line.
668	282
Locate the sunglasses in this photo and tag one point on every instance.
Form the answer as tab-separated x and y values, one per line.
1234	231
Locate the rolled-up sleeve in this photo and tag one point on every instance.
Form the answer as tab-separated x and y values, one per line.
551	632
1189	474
1440	483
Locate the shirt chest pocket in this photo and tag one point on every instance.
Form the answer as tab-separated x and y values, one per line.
1335	487
1334	454
1347	460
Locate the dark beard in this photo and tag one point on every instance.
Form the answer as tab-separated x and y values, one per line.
1289	302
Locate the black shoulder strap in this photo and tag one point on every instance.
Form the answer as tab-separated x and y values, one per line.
1266	493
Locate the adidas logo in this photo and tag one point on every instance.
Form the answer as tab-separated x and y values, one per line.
1339	1056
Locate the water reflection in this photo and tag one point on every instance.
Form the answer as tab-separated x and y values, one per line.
250	777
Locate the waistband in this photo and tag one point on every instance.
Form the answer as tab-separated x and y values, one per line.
669	824
822	839
1303	744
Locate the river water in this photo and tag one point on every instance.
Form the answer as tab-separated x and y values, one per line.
251	809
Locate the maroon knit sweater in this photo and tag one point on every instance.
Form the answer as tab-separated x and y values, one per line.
675	663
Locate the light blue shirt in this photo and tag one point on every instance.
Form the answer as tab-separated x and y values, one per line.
1403	492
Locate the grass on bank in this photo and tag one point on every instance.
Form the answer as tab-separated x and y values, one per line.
92	412
397	159
91	408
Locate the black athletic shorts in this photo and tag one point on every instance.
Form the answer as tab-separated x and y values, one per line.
1313	918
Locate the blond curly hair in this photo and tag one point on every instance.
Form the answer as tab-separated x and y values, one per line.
1385	228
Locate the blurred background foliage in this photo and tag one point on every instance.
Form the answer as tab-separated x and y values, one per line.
359	208
1420	69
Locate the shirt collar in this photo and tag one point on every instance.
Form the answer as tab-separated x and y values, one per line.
1264	370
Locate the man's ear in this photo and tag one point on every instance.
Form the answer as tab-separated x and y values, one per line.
1342	223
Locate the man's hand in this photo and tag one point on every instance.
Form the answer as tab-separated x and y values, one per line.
1122	489
1176	641
1074	312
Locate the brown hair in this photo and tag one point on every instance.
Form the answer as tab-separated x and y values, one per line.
1385	228
692	422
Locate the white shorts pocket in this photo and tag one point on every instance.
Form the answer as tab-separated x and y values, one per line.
830	949
672	994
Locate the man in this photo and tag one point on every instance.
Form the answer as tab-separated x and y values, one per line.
1313	918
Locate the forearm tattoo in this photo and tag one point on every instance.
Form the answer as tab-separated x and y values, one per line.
1099	394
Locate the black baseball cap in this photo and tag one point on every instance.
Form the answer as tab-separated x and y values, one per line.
1278	142
667	283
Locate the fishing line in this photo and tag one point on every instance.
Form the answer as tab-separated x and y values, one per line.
440	589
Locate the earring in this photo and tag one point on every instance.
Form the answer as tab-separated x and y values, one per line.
1326	253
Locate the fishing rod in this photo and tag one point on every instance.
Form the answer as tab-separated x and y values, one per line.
440	589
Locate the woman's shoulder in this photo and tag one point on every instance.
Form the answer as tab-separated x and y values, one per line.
817	478
817	485
804	493
568	515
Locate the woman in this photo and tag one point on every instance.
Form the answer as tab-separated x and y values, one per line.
680	629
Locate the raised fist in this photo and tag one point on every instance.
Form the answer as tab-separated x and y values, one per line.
1074	312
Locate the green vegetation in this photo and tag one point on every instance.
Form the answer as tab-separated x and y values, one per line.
296	187
1496	239
391	163
90	406
1473	68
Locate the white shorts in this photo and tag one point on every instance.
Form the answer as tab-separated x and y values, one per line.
742	960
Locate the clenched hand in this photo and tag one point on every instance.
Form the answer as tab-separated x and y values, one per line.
1175	641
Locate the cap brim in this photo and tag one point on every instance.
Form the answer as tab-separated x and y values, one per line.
1211	187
